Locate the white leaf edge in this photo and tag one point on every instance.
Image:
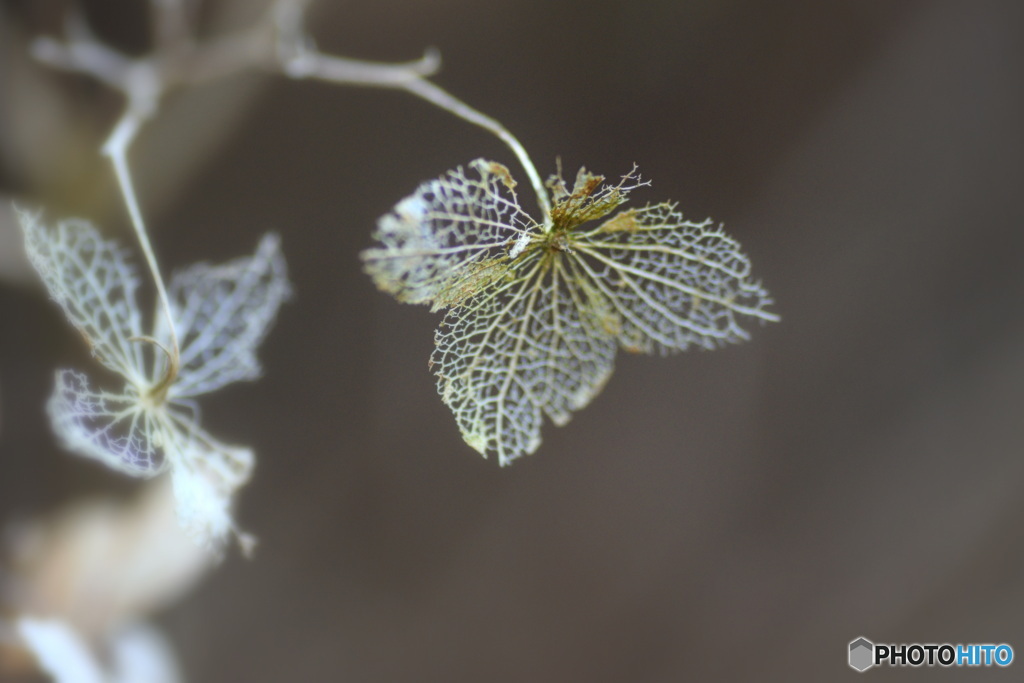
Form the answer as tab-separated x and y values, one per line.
138	653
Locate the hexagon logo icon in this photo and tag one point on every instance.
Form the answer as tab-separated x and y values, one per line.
862	654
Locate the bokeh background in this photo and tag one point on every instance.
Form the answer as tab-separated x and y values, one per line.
857	470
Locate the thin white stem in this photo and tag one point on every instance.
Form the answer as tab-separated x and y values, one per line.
116	149
142	82
443	99
88	57
302	62
299	58
410	77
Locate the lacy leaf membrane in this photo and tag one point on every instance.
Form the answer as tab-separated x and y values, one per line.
114	428
673	283
449	238
92	281
221	315
538	308
506	356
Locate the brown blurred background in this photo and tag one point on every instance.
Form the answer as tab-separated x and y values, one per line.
857	470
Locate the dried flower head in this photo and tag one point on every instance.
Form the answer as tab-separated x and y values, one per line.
150	424
537	308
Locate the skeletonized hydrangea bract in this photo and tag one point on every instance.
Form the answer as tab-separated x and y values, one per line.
537	309
151	422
